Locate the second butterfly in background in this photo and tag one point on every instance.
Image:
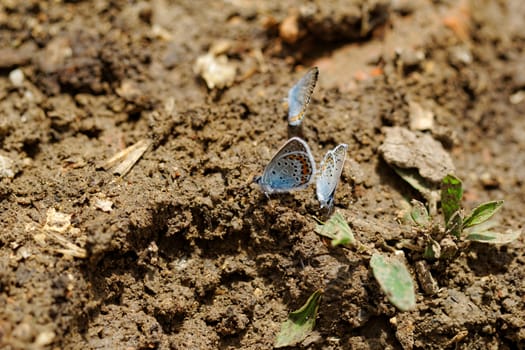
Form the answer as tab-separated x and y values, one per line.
299	96
330	173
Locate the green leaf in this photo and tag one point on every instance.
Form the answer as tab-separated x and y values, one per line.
493	237
300	322
482	213
451	193
395	280
419	213
455	224
337	229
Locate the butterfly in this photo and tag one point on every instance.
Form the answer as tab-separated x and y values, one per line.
299	96
291	168
330	172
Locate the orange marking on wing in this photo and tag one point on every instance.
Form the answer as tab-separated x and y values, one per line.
306	168
304	163
296	117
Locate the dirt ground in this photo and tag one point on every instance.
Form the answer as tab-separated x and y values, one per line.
184	251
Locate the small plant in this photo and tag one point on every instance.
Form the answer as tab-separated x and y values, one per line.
300	323
473	227
337	229
437	239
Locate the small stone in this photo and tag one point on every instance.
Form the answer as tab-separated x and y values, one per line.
6	167
16	77
414	150
420	118
490	181
103	204
393	321
129	90
45	338
411	58
517	97
289	29
23	253
460	55
217	72
161	33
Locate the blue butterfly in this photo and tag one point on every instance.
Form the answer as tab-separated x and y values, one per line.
299	96
291	168
331	169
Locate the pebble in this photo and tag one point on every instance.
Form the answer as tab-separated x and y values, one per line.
103	204
45	338
289	29
410	57
489	180
420	118
518	97
217	72
460	55
6	167
414	150
16	76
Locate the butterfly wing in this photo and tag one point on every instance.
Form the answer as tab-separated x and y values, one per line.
299	96
331	169
340	156
324	184
291	168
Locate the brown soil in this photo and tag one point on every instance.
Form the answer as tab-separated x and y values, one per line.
192	255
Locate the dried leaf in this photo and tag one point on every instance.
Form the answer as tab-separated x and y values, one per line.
122	162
